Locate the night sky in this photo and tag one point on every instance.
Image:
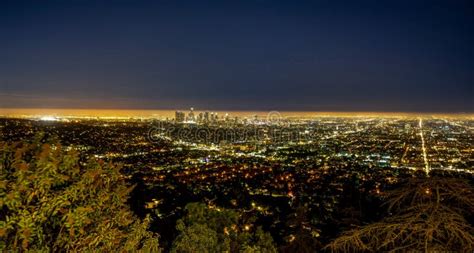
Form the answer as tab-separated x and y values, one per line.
238	55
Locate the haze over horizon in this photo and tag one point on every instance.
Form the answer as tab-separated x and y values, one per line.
403	56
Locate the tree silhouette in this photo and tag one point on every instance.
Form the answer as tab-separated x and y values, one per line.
428	214
305	235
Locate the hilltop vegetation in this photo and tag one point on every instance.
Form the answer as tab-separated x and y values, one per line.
50	201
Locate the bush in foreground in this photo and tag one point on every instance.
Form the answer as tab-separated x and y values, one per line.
50	201
212	229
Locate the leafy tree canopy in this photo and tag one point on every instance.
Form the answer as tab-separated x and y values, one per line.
213	229
51	201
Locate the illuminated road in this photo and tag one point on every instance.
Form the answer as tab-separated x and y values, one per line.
423	148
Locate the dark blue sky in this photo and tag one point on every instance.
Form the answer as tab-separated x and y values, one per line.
241	55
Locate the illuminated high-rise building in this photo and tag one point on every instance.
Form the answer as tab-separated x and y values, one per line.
206	117
191	116
179	116
200	117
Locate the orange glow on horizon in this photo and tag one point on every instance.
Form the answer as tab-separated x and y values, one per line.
136	113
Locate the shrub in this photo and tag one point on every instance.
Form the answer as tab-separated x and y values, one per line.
51	201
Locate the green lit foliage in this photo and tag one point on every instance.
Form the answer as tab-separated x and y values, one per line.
50	201
198	238
429	215
212	229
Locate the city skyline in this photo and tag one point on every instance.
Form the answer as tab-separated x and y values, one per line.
58	113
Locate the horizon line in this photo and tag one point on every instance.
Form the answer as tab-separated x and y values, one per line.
8	112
